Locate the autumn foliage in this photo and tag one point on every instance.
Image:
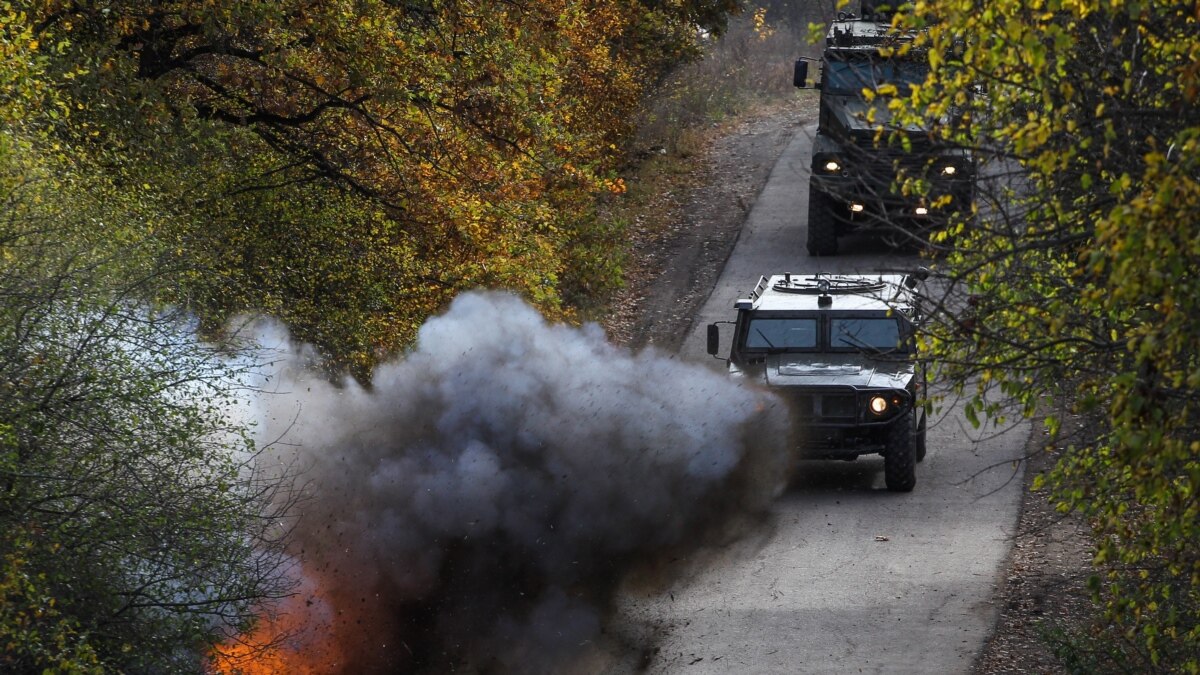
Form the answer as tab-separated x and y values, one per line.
1077	282
350	166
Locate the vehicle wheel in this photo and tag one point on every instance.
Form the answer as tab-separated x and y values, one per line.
921	438
899	457
822	228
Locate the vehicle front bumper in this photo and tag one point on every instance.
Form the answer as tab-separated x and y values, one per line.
863	204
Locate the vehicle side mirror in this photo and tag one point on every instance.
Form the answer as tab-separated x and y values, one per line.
714	339
800	74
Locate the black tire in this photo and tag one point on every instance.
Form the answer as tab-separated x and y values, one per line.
921	448
899	457
822	226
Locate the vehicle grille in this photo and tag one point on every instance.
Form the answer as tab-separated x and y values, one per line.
841	406
825	406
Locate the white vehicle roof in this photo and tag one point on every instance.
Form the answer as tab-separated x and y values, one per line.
841	292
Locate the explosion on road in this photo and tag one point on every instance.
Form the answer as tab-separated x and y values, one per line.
476	507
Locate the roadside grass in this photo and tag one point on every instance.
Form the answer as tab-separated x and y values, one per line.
750	65
1086	652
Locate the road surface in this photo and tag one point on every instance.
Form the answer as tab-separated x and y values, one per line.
842	576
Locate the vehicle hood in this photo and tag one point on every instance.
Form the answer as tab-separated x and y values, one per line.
850	115
856	370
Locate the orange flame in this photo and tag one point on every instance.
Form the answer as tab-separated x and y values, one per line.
292	638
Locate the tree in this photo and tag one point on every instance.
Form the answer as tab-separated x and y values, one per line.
350	166
134	526
1077	278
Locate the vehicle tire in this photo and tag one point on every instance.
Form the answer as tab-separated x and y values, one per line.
899	457
921	448
822	228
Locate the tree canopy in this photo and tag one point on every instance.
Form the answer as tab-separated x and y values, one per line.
134	526
350	166
1077	278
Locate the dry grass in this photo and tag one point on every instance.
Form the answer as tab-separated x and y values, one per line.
745	74
747	67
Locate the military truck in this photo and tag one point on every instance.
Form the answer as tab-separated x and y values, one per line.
840	350
856	171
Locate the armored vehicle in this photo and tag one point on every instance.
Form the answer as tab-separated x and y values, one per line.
840	349
857	171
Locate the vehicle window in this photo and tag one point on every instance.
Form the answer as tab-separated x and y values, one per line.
881	334
854	75
901	72
781	334
847	76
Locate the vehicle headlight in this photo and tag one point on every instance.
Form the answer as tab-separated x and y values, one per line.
886	404
878	405
828	164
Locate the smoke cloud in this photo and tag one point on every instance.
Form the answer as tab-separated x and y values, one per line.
475	509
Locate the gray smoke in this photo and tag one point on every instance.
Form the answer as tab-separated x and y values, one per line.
475	509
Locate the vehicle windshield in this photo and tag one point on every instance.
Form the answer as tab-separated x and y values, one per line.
866	334
854	75
782	334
